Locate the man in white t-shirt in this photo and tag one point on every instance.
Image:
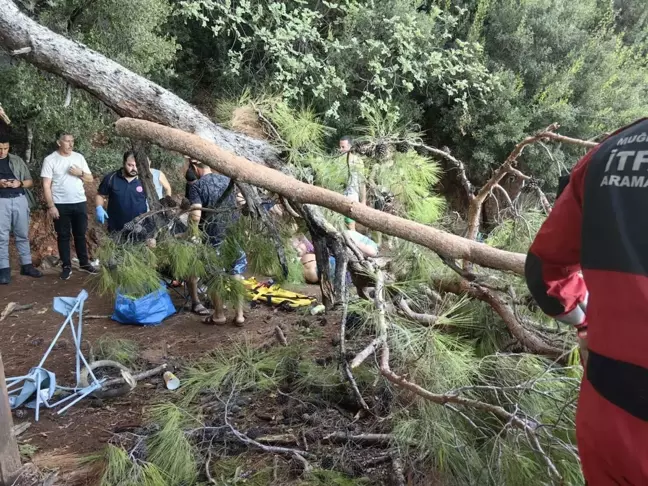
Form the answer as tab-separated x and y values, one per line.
64	172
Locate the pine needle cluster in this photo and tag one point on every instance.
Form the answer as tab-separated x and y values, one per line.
169	448
241	367
129	268
123	351
122	470
411	177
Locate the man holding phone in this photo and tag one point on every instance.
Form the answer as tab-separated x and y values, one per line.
14	212
64	172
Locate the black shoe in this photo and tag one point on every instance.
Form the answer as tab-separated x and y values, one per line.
5	276
66	273
30	271
89	269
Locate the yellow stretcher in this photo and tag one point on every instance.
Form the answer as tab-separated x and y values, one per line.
274	295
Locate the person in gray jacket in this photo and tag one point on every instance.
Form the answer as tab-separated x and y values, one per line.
15	181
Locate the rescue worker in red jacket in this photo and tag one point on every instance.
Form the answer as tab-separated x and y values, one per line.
599	227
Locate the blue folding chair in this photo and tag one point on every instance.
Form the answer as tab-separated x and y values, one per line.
39	386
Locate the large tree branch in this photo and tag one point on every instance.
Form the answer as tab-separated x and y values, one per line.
569	140
243	170
120	89
477	200
508	167
527	338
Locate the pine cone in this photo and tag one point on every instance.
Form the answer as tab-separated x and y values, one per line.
403	147
362	148
381	152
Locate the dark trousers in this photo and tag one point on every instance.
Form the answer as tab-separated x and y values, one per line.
73	216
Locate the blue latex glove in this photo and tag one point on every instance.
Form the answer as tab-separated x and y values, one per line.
102	215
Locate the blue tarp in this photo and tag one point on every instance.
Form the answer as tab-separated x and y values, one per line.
149	310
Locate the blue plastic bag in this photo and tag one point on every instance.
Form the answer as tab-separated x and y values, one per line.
149	310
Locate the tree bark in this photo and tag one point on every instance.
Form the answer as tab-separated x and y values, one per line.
145	176
9	455
125	92
527	338
30	144
508	167
243	170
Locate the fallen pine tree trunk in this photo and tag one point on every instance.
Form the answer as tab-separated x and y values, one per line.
125	92
243	170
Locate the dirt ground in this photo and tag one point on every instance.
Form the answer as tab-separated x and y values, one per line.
87	426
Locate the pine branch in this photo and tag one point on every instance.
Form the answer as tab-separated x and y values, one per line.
366	352
295	453
458	164
504	194
550	135
425	319
384	439
386	371
544	202
343	361
254	204
508	167
529	427
527	338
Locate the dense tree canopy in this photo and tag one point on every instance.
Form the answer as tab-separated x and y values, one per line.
475	75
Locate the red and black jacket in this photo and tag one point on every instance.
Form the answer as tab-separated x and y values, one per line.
588	265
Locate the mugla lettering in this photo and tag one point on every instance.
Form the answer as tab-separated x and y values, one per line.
620	161
632	139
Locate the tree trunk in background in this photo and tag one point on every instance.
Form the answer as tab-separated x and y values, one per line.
127	93
30	143
242	170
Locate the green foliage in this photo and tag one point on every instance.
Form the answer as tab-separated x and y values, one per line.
169	449
129	268
575	63
123	351
300	130
473	448
27	451
185	258
370	52
328	172
517	234
118	466
121	470
241	367
411	177
127	31
414	263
